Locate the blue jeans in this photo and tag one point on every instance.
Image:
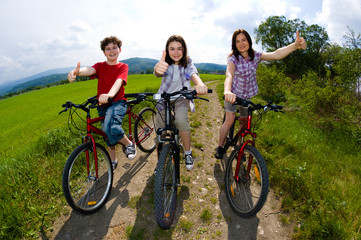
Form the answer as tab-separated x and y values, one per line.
112	124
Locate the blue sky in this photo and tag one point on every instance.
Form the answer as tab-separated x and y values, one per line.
40	35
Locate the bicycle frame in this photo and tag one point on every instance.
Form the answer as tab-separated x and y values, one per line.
242	134
134	116
91	128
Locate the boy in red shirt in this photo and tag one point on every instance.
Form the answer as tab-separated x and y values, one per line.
112	77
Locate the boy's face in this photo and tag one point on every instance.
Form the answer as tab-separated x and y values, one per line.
111	52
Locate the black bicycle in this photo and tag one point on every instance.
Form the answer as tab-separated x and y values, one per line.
170	152
246	178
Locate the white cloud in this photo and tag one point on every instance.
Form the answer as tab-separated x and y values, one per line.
79	26
8	65
336	15
294	12
58	34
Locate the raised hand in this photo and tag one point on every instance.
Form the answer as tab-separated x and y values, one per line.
162	66
300	42
73	73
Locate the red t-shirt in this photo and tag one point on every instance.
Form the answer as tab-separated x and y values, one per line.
107	75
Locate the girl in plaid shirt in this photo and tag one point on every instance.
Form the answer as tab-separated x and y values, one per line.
241	76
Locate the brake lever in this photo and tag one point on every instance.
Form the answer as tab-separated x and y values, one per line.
64	110
205	99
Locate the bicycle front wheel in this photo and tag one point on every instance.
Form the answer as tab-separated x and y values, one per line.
85	191
246	190
144	131
165	188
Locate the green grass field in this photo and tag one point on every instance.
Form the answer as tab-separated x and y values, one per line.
315	171
35	145
25	117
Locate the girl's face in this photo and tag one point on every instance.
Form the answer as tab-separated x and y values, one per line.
175	51
242	43
112	52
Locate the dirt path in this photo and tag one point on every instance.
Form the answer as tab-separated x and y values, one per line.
128	213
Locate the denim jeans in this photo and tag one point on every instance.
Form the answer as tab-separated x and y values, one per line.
112	124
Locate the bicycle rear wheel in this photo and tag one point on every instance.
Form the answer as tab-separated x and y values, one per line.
246	191
165	188
144	131
83	191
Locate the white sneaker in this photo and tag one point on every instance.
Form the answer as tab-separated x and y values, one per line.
131	151
189	161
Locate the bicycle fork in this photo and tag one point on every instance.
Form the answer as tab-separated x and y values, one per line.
176	159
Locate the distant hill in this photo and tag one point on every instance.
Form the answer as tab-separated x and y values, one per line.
146	65
136	66
42	81
140	65
211	67
14	85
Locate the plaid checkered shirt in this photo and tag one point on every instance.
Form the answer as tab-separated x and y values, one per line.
185	75
244	80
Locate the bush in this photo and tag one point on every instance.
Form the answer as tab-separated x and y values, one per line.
271	83
318	95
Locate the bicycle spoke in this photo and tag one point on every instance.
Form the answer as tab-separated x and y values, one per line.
246	191
85	192
144	132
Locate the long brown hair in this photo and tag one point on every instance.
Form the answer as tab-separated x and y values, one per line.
235	51
184	60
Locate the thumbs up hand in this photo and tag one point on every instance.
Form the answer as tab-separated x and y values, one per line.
162	66
73	73
300	42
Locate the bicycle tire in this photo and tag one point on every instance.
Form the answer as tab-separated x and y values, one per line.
84	192
144	130
247	195
165	188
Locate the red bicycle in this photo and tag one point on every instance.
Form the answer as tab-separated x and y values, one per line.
246	178
88	174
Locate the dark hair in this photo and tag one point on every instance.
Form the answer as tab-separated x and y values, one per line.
235	51
184	60
108	40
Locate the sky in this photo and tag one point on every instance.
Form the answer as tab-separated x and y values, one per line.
40	35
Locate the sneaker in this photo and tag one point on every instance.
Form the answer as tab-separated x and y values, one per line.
114	164
131	151
219	153
189	161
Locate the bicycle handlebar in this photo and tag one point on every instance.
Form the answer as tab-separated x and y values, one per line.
93	101
268	106
188	94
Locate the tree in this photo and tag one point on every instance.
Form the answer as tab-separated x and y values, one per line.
352	41
347	63
277	32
